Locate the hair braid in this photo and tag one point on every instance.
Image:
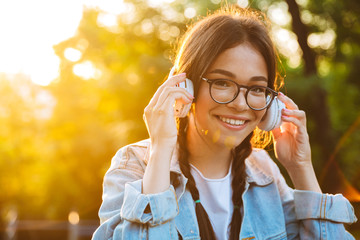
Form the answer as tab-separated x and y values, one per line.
205	227
241	152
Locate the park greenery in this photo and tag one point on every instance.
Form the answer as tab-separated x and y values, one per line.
57	141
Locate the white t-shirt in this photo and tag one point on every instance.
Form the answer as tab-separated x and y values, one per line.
216	198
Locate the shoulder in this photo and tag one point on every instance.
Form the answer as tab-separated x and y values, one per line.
261	168
133	156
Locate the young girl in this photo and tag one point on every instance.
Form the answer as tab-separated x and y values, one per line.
202	178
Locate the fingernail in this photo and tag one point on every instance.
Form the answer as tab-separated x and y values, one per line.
182	74
286	110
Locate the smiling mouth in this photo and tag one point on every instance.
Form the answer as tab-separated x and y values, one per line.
235	122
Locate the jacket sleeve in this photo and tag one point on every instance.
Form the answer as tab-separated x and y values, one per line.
322	216
312	215
125	212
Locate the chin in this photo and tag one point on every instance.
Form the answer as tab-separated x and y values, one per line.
228	141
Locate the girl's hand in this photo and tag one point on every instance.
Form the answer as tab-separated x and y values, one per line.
159	113
160	121
291	140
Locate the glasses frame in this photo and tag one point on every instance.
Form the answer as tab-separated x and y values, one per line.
248	88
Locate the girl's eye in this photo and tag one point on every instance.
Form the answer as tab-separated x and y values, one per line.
258	90
222	83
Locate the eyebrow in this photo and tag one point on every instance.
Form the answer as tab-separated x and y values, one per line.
231	75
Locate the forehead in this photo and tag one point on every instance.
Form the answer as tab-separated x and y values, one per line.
243	61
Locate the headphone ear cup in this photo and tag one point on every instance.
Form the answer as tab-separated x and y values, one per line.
272	118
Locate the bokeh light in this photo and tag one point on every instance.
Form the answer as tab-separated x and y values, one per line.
190	12
86	70
72	54
74	217
243	3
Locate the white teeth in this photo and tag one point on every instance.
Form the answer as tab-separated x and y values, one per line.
232	121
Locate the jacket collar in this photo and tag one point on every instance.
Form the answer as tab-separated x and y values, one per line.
254	173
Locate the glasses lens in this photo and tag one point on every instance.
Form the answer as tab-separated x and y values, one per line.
223	90
259	97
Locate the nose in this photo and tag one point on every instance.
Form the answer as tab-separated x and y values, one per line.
239	103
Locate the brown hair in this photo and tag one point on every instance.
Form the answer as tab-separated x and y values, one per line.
200	46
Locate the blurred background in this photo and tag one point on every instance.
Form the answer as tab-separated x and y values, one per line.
75	77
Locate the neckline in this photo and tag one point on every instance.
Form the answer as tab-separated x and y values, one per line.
212	179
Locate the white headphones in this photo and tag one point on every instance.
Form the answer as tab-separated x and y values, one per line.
272	118
181	110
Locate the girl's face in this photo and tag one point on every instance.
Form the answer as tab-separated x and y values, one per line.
229	124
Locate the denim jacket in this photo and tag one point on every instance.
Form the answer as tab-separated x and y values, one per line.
271	209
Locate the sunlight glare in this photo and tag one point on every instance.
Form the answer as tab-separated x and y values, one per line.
30	29
302	3
112	7
288	46
131	15
306	17
158	3
190	12
45	104
243	3
174	31
278	13
108	21
171	14
72	54
164	32
147	26
43	72
323	40
86	70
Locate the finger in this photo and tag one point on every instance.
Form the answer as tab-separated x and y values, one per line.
176	79
167	99
171	82
298	124
182	94
299	114
289	103
177	93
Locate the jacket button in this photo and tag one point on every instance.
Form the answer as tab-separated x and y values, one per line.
191	231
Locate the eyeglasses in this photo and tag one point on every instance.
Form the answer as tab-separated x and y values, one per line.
224	91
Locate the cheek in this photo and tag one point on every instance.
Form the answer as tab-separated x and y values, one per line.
260	115
203	106
203	101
